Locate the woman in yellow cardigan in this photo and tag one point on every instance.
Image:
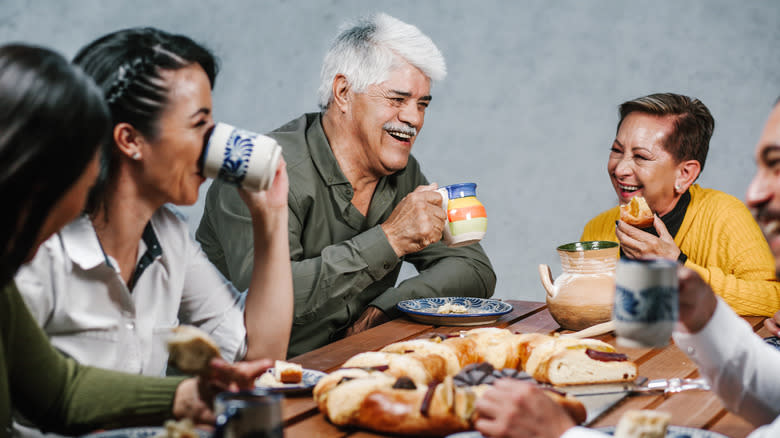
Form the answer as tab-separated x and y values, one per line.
658	152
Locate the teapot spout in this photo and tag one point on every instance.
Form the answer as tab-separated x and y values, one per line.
547	280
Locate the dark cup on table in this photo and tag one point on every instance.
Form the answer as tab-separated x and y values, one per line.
249	414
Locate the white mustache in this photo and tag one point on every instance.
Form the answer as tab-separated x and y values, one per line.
406	129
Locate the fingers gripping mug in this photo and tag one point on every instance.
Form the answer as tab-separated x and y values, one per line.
248	414
240	157
466	220
646	302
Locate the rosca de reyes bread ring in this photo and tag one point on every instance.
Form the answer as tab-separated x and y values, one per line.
637	213
429	387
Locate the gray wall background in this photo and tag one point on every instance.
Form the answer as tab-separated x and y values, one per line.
528	110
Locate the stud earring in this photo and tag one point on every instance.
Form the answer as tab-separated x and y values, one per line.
677	187
136	155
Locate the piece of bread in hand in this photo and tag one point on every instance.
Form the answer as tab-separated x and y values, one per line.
642	424
190	350
637	213
288	372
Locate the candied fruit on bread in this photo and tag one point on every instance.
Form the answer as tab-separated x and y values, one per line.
637	213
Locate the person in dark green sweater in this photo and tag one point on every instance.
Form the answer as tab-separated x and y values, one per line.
52	121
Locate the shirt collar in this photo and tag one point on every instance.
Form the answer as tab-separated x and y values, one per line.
321	153
81	243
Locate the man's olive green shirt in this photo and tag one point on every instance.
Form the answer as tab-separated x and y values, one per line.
342	261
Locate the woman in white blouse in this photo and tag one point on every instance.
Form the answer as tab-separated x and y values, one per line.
108	288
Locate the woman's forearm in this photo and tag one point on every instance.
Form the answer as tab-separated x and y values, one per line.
269	301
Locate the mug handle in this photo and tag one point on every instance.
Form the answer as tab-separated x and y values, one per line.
445	199
224	418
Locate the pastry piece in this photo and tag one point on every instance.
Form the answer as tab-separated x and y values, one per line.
190	349
567	361
288	372
184	428
637	213
642	424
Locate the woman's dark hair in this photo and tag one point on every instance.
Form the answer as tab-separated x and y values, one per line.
127	66
52	120
692	121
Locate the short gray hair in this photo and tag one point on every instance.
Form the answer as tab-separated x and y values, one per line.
366	51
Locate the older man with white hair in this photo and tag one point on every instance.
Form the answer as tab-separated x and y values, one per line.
359	202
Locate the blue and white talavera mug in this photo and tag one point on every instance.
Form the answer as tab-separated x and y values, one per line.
248	414
646	302
240	157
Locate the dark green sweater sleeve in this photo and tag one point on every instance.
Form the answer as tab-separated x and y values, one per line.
58	394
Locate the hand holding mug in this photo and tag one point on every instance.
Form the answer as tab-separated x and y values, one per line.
416	222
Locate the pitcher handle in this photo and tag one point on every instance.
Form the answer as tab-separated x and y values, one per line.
545	273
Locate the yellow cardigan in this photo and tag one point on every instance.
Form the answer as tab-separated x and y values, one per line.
723	244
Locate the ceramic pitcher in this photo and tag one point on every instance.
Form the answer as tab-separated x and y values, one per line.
584	293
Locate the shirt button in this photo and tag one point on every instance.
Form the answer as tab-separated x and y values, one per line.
387	265
130	326
690	350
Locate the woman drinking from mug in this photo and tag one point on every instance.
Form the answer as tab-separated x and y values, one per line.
52	121
109	286
659	150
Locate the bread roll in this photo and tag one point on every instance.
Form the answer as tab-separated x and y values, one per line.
190	350
637	213
642	424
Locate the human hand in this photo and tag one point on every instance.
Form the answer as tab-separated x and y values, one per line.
773	324
638	244
268	207
697	301
372	317
416	222
513	408
194	397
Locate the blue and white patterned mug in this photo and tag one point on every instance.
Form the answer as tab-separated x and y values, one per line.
646	302
240	157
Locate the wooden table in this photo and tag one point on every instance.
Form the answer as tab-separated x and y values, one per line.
698	409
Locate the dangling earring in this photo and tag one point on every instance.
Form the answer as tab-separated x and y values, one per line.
136	156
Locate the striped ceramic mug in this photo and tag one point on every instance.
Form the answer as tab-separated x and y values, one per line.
466	221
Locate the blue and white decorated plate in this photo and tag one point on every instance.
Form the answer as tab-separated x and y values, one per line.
478	311
268	383
137	432
773	341
677	432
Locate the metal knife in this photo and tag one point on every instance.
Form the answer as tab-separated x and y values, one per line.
653	387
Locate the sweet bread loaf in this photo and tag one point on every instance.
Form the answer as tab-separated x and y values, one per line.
637	213
430	386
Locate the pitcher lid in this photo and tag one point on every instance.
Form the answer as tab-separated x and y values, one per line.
589	245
